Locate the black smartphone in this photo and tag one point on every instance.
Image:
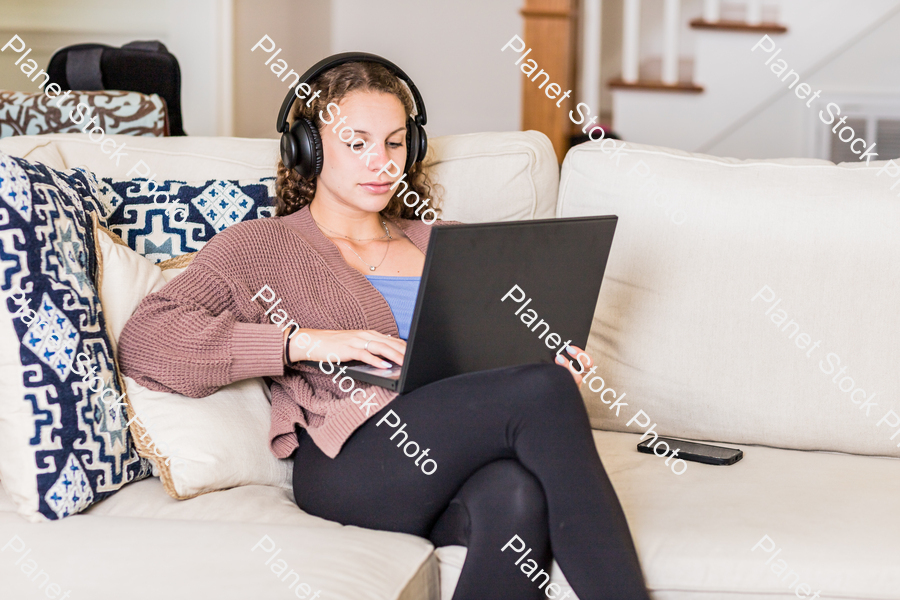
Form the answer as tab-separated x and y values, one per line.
702	453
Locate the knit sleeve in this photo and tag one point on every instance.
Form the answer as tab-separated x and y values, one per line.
191	338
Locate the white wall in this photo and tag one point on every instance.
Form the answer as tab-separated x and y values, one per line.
611	52
451	50
195	40
301	28
787	127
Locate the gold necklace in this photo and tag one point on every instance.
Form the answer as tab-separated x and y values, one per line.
371	268
387	234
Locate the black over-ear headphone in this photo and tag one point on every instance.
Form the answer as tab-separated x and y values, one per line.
301	144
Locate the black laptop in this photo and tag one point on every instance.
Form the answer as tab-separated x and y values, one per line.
500	294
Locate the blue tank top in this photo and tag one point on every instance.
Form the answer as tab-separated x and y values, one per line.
400	294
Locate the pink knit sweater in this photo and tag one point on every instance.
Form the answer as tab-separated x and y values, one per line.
201	331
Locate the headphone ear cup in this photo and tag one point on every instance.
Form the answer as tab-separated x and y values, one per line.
306	144
412	145
317	156
423	143
288	149
416	143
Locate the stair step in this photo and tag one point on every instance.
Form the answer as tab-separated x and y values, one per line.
739	26
656	86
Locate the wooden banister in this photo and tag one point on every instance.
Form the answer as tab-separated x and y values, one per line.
550	33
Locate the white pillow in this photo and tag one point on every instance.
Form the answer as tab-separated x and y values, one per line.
197	445
484	177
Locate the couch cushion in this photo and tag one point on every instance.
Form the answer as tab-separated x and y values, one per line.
197	445
387	565
34	149
148	499
833	516
185	158
164	219
483	176
495	176
713	259
63	440
194	559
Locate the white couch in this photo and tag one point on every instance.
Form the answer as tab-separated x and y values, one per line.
675	330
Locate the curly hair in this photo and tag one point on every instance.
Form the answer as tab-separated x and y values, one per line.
293	192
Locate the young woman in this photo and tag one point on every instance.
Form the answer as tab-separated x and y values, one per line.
512	451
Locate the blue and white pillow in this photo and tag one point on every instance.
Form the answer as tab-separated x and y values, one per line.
162	220
64	441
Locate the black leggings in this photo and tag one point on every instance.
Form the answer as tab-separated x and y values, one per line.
515	457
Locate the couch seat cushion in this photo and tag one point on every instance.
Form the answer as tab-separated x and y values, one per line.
192	553
832	515
148	499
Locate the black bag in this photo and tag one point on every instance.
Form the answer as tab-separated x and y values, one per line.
145	67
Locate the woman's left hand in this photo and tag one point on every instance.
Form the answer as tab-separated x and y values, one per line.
565	362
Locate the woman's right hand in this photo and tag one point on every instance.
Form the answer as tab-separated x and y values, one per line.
317	344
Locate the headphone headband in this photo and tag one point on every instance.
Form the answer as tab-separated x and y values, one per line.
338	59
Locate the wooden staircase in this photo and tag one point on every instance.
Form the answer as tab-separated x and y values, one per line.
551	31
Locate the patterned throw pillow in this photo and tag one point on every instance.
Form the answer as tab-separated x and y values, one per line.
163	220
64	440
128	113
